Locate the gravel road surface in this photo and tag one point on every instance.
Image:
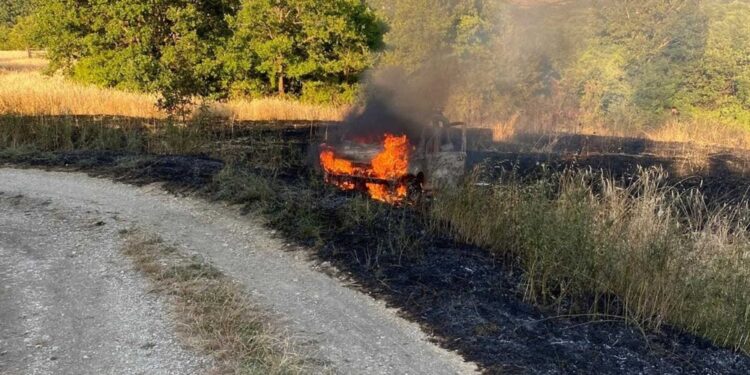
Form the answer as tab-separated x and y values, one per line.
70	303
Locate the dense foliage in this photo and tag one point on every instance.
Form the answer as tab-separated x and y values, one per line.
212	48
690	55
165	45
314	48
593	63
619	63
10	10
15	23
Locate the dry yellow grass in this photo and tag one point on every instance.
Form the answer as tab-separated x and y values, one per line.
702	133
694	132
34	94
19	61
274	109
24	90
505	130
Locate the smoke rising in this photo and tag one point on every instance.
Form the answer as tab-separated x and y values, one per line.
398	103
479	64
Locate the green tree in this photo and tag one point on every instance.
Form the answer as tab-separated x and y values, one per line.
446	48
720	81
209	48
166	46
422	31
305	47
25	34
11	12
651	55
635	65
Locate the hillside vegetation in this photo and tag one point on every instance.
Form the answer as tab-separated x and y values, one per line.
616	67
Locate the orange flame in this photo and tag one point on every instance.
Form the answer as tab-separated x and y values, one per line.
392	164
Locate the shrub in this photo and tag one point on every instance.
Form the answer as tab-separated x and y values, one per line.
322	93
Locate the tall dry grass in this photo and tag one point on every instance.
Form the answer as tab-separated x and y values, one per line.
19	61
642	252
34	94
275	109
700	132
25	91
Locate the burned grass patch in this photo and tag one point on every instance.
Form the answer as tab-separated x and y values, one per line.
178	173
473	298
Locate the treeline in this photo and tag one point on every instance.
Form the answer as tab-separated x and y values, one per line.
15	22
643	60
620	63
315	50
617	63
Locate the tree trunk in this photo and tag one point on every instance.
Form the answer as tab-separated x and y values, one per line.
28	51
282	90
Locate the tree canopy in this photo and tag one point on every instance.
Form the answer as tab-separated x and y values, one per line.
315	48
583	61
167	46
11	10
618	62
15	23
213	48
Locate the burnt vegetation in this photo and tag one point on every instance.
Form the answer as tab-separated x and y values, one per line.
539	262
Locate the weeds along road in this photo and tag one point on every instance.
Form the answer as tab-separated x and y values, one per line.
67	291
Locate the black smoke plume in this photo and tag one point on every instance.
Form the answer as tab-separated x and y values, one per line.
399	103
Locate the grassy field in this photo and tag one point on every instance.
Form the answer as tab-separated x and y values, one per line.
700	132
640	251
24	90
20	61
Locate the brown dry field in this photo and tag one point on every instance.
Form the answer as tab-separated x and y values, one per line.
26	90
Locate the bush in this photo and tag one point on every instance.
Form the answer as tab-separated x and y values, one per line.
317	92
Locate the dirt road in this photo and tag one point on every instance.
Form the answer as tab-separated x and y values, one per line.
70	303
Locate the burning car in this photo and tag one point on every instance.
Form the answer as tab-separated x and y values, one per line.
393	168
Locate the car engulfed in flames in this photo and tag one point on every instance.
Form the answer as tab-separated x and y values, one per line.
395	169
383	172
